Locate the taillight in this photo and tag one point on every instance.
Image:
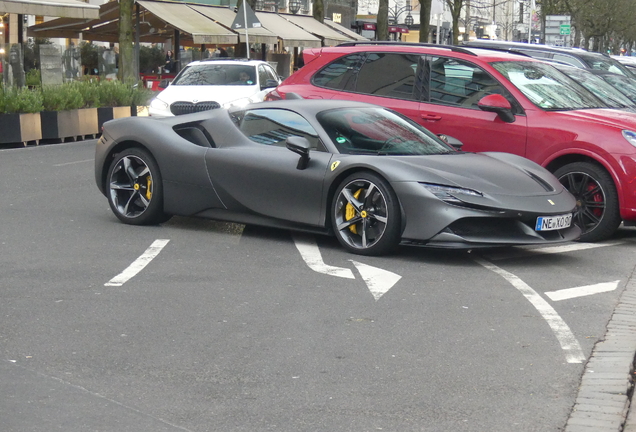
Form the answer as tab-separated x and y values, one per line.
273	96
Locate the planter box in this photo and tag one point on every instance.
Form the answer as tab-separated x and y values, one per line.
60	124
105	114
15	128
88	124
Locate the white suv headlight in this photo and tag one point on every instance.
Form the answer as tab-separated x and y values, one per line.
238	103
158	104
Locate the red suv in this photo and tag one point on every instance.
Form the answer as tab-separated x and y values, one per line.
492	101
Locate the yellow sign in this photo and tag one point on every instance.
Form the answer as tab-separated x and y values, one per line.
337	18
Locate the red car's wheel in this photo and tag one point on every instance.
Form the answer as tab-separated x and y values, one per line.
597	212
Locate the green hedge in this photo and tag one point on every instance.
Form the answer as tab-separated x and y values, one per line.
74	95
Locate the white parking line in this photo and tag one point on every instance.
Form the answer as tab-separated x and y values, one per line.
571	247
310	253
581	291
73	163
139	264
569	344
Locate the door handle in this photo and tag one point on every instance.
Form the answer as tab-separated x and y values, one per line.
431	117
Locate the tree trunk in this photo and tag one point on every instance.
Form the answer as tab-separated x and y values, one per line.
382	26
319	10
126	72
425	20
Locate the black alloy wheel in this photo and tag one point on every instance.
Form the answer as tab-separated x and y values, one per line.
366	215
135	191
597	212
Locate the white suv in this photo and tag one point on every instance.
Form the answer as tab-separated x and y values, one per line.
214	83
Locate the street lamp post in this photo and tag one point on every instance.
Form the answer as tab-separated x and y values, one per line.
294	6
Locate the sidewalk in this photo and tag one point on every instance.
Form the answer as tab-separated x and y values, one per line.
604	398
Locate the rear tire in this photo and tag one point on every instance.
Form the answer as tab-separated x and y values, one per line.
365	215
135	188
597	212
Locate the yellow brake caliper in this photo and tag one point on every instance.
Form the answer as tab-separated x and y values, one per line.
350	212
149	188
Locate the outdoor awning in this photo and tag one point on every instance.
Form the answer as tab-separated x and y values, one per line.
187	20
225	17
292	35
52	8
329	36
342	29
72	27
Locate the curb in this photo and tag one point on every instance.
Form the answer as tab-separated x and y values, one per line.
604	397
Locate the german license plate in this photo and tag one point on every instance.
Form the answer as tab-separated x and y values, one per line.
549	223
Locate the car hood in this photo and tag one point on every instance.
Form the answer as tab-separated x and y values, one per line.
198	93
618	118
488	173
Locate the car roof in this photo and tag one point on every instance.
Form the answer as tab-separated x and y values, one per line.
536	47
228	60
306	107
409	47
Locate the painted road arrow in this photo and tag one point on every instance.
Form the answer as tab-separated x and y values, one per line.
581	291
378	280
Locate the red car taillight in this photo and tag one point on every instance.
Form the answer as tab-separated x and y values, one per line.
273	96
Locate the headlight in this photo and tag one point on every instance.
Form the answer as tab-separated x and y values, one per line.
630	136
447	193
237	103
158	104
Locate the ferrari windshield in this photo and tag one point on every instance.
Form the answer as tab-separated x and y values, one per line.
378	131
214	74
546	87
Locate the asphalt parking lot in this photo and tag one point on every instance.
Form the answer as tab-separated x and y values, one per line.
198	325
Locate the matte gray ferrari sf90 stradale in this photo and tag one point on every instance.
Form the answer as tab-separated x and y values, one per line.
369	176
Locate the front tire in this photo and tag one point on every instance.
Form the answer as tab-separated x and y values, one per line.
135	189
365	215
597	213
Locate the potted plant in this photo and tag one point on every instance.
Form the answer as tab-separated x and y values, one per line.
60	118
20	115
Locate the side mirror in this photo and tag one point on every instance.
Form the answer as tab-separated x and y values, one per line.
300	146
498	104
163	84
270	83
451	141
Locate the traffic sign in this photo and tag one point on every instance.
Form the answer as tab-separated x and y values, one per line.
564	29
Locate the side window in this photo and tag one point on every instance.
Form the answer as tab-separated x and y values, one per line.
271	74
569	60
340	74
262	75
272	127
459	83
389	74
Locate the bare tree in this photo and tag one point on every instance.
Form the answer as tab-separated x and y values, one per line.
127	72
319	10
425	19
382	26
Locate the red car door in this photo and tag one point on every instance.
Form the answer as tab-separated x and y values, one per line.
450	107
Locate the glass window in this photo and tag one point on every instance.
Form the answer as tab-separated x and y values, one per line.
216	74
599	87
600	62
273	126
340	74
626	86
459	83
562	58
546	87
378	131
389	74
